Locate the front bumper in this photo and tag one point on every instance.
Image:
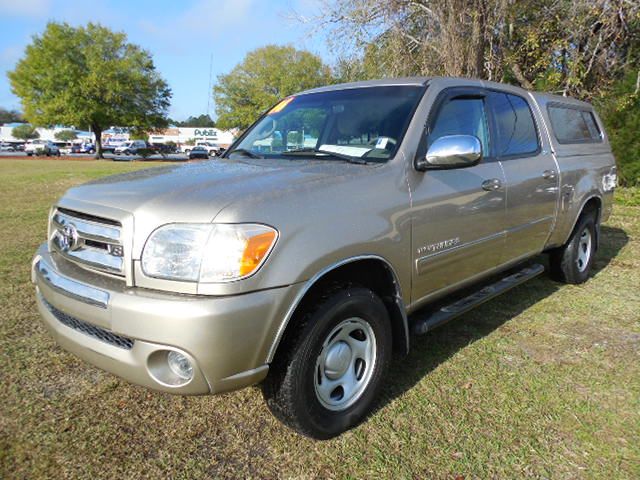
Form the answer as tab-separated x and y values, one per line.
125	330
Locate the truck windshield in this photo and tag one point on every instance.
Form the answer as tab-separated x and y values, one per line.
360	123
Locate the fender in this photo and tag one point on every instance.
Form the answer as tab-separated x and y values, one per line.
590	196
313	280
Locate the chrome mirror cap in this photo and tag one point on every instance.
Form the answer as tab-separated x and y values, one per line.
452	151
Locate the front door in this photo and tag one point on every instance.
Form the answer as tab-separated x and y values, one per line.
458	215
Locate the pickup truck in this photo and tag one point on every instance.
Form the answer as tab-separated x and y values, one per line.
41	147
131	147
303	268
212	148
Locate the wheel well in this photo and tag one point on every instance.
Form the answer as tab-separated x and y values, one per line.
374	274
593	205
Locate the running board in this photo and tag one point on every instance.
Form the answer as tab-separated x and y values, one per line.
426	322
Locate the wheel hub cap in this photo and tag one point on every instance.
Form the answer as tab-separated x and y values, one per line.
345	364
338	360
584	250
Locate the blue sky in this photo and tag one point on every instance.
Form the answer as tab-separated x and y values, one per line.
181	35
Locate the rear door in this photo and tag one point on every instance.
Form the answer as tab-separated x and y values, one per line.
531	174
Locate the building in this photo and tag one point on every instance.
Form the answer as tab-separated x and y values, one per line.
183	135
45	133
118	135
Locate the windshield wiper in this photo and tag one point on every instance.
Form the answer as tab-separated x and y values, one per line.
246	152
341	156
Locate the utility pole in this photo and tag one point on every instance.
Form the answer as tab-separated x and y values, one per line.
210	90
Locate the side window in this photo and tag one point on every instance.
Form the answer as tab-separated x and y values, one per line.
515	127
573	125
462	116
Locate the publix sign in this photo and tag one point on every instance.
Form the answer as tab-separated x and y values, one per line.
204	132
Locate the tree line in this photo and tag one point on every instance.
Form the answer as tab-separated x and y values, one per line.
589	49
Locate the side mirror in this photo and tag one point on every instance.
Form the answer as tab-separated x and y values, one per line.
451	151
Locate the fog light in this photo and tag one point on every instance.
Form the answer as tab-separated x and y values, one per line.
180	365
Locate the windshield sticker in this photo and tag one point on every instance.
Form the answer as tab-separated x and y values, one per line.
382	142
279	107
346	150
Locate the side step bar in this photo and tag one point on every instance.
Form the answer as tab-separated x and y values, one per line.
426	322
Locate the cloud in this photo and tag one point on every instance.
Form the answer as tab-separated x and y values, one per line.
38	8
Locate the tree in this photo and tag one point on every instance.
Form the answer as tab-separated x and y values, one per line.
265	76
201	121
578	47
9	116
620	111
137	134
25	132
89	76
66	135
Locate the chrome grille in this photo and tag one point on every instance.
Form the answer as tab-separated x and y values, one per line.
89	241
99	333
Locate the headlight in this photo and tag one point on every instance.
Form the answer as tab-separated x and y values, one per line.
207	252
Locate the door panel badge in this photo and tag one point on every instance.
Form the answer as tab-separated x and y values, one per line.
439	246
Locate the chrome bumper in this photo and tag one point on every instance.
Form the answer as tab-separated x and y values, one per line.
67	287
121	330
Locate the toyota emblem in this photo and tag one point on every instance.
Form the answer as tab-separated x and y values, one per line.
68	238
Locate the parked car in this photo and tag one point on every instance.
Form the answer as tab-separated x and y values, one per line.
163	148
87	148
7	147
212	148
130	148
65	148
305	269
71	148
198	152
41	147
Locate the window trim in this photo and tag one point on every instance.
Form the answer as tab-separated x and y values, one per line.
446	95
579	108
535	126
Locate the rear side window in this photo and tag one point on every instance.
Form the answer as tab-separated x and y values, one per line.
573	125
516	129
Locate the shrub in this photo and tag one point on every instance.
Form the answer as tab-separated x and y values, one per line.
146	152
620	112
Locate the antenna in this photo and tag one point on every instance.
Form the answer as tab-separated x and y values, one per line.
210	90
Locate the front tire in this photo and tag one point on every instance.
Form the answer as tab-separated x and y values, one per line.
572	263
326	377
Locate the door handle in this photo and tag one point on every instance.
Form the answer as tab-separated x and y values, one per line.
492	185
549	174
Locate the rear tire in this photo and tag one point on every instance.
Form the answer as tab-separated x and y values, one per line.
572	263
327	375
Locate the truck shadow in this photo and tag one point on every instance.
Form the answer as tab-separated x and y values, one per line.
436	347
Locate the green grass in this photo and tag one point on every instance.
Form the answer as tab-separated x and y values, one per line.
543	383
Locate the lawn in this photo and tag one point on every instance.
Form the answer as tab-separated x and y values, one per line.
542	382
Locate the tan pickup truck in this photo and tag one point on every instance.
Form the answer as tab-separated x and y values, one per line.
344	219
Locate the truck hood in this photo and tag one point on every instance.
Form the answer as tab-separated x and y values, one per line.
198	192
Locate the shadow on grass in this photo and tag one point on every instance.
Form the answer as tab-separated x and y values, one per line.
430	350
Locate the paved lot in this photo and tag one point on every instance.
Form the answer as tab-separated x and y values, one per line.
174	157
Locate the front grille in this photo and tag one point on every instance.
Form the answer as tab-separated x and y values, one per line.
91	330
89	241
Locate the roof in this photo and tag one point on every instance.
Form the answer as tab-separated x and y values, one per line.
383	82
447	81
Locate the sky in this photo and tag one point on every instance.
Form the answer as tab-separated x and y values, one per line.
183	36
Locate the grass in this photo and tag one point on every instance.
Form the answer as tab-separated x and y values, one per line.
542	382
